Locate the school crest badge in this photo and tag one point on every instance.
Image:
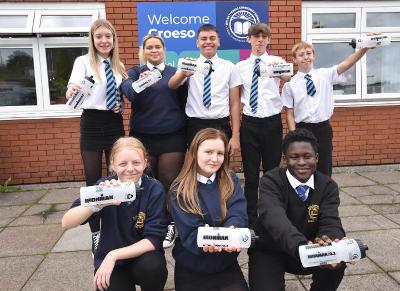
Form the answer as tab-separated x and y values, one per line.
140	220
313	212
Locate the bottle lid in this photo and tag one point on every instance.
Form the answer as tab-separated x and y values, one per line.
353	43
363	248
254	237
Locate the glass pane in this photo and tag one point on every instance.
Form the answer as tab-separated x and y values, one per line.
13	21
383	19
51	21
383	69
17	77
59	68
329	54
333	20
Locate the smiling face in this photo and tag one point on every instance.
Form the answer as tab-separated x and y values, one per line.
304	59
103	41
153	51
301	160
210	156
128	164
208	43
258	43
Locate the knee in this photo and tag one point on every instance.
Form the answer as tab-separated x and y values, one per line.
153	264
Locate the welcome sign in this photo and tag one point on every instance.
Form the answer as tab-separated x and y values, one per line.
177	24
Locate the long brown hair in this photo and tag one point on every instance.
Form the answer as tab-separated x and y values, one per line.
185	185
116	64
142	57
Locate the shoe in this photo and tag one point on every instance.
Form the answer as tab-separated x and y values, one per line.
95	241
170	237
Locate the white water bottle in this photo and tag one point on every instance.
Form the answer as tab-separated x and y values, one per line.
142	83
97	195
225	237
346	250
371	41
275	70
76	101
191	65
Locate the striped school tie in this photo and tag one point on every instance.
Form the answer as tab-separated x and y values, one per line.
112	93
207	88
254	86
310	85
301	192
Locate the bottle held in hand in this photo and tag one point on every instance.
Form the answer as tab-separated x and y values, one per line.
371	41
225	237
191	65
98	194
145	82
76	101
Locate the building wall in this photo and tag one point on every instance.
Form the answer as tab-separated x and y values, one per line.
47	150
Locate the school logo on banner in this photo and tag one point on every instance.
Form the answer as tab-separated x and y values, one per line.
238	22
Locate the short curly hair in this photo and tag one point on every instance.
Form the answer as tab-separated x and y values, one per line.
299	134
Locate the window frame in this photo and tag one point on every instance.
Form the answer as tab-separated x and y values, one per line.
29	21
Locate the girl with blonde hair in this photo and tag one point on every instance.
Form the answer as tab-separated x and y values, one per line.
206	193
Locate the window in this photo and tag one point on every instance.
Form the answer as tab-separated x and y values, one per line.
331	25
38	46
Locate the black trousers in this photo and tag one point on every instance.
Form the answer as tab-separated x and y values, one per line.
323	133
267	272
260	141
196	124
149	271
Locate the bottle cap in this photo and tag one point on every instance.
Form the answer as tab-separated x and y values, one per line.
363	248
254	237
353	43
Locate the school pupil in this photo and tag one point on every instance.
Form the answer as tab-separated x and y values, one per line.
297	205
101	121
213	100
130	248
158	116
206	193
308	98
261	128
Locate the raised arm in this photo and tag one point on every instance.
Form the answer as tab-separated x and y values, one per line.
177	79
351	60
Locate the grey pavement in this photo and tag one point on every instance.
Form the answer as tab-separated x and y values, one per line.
35	254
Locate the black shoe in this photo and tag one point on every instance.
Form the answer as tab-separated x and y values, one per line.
95	241
170	237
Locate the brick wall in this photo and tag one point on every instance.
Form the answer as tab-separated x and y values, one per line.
47	150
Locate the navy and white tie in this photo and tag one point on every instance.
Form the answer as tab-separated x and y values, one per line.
301	192
209	181
310	85
112	93
254	86
207	89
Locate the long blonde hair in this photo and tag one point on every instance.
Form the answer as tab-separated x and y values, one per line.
116	64
185	185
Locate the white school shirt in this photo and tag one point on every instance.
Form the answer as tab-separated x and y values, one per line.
161	66
97	100
269	99
202	179
224	77
312	109
295	183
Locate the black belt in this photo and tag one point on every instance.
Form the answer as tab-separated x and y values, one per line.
222	121
313	125
263	120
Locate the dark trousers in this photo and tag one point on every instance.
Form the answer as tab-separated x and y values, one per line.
196	124
149	271
323	133
231	279
260	141
267	272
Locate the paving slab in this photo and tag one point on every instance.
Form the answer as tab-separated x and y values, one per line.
351	179
63	271
382	177
39	208
358	192
39	219
386	208
396	276
379	199
15	271
394	217
383	247
370	282
28	240
374	222
364	266
395	187
20	198
346	199
75	239
60	196
355	210
8	213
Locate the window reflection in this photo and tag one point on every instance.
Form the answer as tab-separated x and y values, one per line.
333	20
383	19
329	54
383	69
59	67
17	77
13	21
51	21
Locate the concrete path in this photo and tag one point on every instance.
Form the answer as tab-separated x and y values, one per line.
36	255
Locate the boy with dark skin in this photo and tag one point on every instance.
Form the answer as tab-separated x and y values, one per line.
297	205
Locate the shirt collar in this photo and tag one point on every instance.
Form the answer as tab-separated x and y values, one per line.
213	59
302	74
202	179
161	66
138	183
263	57
101	59
294	182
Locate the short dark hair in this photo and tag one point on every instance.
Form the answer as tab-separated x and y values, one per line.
207	27
256	29
299	134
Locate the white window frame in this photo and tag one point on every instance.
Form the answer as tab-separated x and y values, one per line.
361	98
29	21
